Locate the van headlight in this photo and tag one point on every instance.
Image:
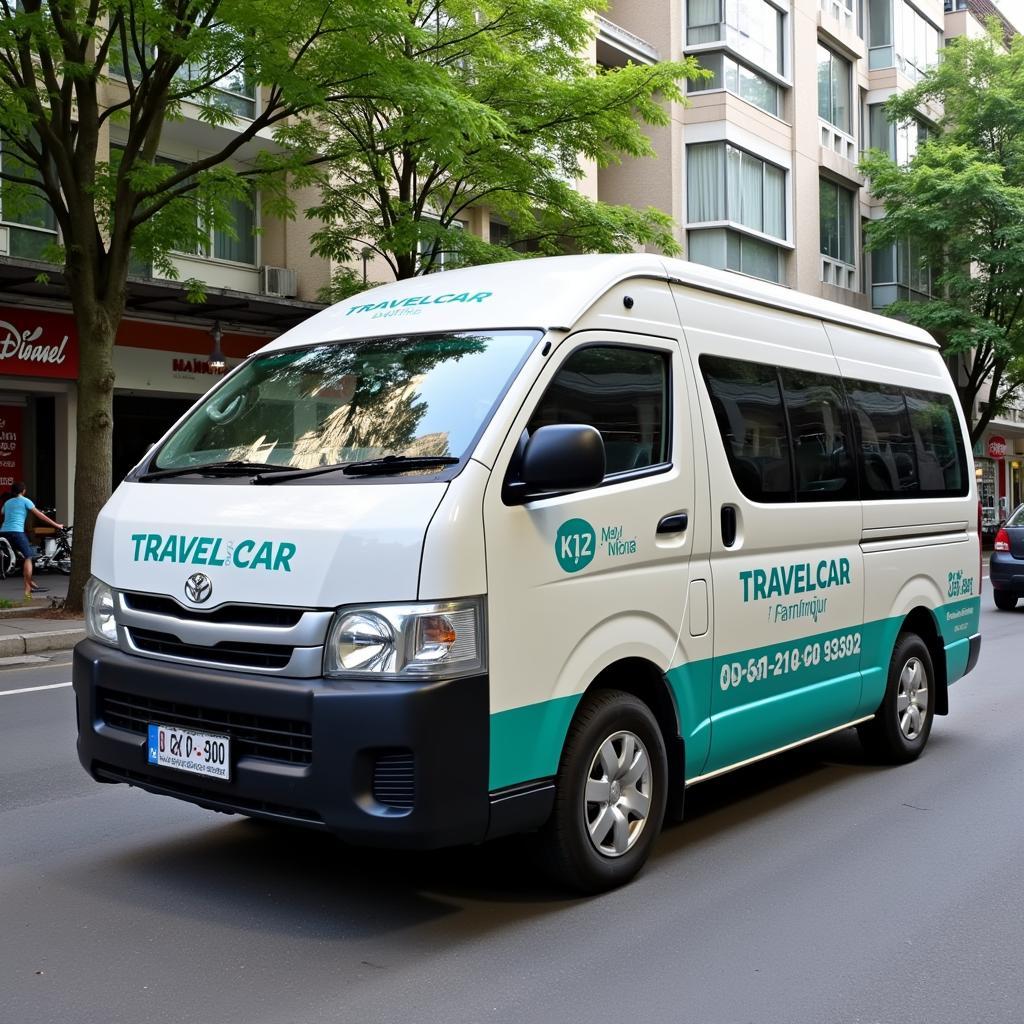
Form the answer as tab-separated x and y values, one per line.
403	641
100	623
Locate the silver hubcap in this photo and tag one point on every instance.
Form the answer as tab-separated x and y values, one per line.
618	794
912	698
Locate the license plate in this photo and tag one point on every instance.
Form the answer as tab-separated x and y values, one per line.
200	753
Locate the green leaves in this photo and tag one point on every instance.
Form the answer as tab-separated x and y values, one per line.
496	105
961	200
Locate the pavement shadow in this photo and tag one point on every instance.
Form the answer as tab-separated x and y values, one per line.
294	881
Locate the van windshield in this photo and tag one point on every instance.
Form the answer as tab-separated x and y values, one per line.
347	402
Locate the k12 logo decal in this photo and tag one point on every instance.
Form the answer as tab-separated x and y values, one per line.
575	543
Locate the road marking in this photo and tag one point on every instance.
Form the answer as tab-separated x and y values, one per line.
34	689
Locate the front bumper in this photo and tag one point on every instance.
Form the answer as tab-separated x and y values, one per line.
347	744
1006	572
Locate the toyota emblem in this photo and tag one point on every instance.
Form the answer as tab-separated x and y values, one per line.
198	587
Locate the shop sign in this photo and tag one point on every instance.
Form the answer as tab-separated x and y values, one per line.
10	445
997	447
37	344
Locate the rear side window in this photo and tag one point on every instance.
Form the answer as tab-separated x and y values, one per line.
623	393
751	417
909	442
822	455
1017	519
887	458
938	444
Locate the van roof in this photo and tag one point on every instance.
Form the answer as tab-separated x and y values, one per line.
549	293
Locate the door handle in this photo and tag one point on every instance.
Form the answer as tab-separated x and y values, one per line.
728	525
674	523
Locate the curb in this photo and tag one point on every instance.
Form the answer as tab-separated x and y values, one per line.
35	643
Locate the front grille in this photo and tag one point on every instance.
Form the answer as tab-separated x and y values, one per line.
227	801
234	614
394	779
227	652
285	740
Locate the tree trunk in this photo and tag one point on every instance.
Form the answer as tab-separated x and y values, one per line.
97	328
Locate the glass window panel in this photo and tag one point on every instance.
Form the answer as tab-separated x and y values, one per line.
757	89
828	208
705	181
824	84
734	251
879	22
886	447
752	422
845	202
733	183
841	106
883	265
703	21
774	201
708	248
622	393
732	76
711	62
822	458
880	134
751	192
240	249
758	259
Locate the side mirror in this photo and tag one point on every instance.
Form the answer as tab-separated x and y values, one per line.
561	457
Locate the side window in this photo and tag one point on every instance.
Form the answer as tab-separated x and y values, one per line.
888	454
822	458
621	391
941	462
752	421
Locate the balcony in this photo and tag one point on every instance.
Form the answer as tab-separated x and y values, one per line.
616	47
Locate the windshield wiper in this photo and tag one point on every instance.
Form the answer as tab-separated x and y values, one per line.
228	468
369	467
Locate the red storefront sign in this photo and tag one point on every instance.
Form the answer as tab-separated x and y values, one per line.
10	445
37	344
997	447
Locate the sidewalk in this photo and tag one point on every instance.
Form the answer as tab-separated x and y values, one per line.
24	630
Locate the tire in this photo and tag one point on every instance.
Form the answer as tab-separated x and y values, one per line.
1006	600
901	726
7	558
614	750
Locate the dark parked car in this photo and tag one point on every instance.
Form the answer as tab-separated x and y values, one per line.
1006	568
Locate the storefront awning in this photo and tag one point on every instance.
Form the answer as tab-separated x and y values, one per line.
19	281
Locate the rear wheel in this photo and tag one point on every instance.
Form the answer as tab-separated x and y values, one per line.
1006	600
610	793
901	726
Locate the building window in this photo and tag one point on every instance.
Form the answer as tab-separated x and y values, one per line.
740	80
899	273
29	218
834	104
836	206
900	141
728	184
899	35
730	250
753	28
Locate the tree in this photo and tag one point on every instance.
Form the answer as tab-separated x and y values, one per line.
961	202
72	69
496	106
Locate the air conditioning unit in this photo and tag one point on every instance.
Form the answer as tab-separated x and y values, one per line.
279	281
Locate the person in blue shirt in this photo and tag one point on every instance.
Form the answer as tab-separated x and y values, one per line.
16	510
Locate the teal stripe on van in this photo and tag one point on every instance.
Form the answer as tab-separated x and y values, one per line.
526	742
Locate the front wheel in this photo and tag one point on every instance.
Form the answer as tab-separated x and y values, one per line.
1006	600
901	726
610	796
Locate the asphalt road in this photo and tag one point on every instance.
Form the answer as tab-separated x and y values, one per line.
814	888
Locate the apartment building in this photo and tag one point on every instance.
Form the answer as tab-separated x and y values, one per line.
259	281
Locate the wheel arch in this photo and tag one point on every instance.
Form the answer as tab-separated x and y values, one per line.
921	621
646	681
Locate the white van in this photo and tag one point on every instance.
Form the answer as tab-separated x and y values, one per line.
535	546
